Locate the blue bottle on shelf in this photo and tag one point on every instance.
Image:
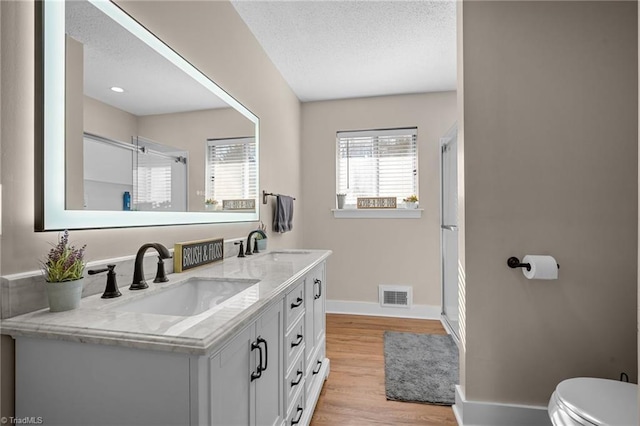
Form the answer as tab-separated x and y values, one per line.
126	201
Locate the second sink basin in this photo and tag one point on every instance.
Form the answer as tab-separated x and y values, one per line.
283	255
192	297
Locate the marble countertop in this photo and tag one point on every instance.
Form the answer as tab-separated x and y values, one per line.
98	321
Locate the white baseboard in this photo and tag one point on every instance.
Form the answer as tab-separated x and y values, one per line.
475	413
374	309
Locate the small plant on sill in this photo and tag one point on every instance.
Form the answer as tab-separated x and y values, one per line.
262	228
411	199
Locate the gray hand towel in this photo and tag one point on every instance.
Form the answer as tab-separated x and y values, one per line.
283	216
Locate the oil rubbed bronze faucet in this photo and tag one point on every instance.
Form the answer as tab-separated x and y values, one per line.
139	282
255	247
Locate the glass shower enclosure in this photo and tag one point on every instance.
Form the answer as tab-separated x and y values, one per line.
449	230
153	176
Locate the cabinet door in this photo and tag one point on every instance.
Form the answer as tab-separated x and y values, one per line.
269	406
231	384
319	296
314	312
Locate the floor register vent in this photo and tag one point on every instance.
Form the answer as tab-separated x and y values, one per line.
395	296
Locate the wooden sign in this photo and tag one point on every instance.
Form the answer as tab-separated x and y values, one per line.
242	204
376	202
197	253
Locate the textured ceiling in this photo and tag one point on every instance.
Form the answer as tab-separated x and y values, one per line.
346	49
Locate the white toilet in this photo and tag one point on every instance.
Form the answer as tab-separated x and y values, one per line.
590	401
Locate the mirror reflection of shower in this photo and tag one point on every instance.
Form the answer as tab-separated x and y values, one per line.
159	177
143	175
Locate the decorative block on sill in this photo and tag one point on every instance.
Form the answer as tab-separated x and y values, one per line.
376	203
377	213
240	204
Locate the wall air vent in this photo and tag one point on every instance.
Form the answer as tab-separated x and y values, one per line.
395	296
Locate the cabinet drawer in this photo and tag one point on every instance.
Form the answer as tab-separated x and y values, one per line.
314	368
294	382
294	343
294	305
296	410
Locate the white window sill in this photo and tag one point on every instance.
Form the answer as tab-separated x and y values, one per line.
377	213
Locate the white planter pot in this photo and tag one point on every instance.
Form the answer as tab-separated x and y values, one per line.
411	205
64	296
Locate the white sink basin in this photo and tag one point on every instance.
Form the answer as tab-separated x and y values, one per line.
283	255
192	297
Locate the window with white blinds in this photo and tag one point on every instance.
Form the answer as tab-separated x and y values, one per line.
231	169
377	163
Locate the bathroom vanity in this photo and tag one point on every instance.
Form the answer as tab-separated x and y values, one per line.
179	353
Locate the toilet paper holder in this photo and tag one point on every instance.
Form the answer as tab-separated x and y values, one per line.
514	262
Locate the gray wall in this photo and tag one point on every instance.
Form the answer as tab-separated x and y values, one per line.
369	252
550	167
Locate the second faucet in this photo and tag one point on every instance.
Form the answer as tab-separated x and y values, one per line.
255	247
139	282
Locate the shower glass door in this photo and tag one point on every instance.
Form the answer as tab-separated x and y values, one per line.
449	229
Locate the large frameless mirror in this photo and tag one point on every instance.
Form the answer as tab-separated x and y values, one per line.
132	133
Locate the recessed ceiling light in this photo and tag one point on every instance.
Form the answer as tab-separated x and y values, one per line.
117	89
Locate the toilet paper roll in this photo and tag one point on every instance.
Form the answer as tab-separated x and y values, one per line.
542	267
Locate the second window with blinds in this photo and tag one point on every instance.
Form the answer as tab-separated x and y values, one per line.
231	174
377	163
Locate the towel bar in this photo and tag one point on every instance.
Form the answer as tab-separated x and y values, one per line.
266	194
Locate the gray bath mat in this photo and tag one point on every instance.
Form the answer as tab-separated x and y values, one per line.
420	367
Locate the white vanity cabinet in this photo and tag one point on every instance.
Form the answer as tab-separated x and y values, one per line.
288	395
246	375
288	390
268	371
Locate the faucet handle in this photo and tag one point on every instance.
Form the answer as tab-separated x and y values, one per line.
241	251
111	290
161	276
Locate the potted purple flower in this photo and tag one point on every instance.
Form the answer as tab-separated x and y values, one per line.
63	272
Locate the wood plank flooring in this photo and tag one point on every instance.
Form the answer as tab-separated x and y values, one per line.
354	392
